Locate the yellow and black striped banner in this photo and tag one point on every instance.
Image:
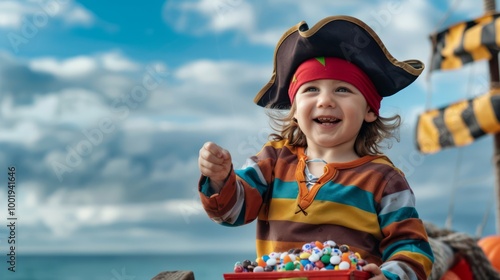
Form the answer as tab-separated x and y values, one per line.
458	124
465	42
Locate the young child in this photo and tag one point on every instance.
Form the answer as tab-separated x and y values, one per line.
323	176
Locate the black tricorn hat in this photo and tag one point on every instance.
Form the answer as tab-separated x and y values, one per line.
337	36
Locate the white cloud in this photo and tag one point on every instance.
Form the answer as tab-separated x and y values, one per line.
211	88
469	8
65	217
74	67
68	106
23	132
393	20
113	84
206	72
117	165
115	61
43	109
163	171
78	15
31	194
11	13
268	37
197	17
111	73
221	73
19	14
229	15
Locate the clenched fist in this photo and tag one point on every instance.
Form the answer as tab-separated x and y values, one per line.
215	163
375	271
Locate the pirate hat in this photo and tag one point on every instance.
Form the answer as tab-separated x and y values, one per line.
343	37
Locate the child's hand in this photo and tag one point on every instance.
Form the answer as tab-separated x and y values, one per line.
215	163
375	270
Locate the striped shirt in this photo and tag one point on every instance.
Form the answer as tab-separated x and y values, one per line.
366	204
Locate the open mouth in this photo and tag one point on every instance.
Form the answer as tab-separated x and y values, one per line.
326	120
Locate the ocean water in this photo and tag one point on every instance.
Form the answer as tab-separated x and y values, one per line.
117	267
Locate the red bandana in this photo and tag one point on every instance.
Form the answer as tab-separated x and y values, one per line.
337	69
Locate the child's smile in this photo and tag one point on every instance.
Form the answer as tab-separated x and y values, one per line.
330	113
327	120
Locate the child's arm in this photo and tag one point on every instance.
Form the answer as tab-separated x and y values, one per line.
234	197
405	247
214	162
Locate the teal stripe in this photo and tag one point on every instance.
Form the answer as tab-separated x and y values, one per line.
333	192
250	176
205	187
410	245
241	218
347	195
287	190
390	276
398	216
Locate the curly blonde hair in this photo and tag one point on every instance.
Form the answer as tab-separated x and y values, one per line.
368	141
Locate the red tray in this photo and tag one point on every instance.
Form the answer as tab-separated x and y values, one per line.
301	275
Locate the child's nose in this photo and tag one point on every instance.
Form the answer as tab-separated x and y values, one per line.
326	99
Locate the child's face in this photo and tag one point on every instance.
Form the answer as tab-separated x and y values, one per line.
330	113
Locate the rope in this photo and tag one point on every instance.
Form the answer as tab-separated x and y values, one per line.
454	188
456	172
482	225
465	246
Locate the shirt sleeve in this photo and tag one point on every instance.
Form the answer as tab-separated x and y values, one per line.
242	196
406	252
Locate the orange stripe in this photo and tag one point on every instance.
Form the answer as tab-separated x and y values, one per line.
455	123
427	132
497	27
485	113
472	40
452	39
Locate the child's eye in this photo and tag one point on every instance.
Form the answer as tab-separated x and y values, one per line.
343	89
311	89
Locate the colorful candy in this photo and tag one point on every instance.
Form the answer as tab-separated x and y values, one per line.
312	256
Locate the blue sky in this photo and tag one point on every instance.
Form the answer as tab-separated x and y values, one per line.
105	105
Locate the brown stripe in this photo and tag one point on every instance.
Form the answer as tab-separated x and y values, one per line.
419	270
370	177
364	179
274	148
218	204
286	165
286	159
253	203
226	205
405	230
